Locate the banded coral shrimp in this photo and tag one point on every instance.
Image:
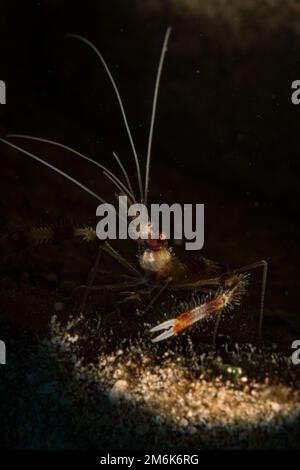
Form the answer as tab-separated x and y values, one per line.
158	270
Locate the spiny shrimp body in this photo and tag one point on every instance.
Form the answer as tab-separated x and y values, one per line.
222	300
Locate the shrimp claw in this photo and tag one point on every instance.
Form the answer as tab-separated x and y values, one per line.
223	299
166	325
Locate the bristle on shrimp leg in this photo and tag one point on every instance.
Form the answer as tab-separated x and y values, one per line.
222	300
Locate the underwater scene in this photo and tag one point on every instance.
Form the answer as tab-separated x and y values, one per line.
149	237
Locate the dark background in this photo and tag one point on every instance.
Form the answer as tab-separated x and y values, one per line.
226	133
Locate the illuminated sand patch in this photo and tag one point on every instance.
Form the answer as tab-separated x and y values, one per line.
192	399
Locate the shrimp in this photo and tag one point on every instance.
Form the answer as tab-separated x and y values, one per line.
158	266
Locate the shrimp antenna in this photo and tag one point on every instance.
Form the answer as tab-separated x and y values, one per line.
110	250
123	169
98	53
156	89
116	181
54	168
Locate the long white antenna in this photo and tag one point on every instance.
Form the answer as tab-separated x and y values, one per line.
94	48
123	169
160	66
54	168
115	180
110	250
